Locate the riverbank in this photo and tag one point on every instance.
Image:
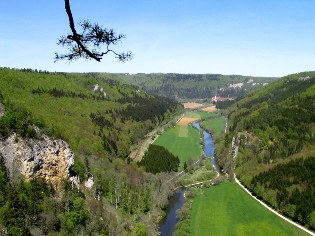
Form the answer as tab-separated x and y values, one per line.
201	173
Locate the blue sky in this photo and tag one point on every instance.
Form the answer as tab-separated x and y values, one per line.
248	37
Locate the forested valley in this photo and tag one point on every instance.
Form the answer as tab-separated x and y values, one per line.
192	86
270	144
102	120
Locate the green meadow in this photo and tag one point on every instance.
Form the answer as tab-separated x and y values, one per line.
200	114
226	209
215	124
182	141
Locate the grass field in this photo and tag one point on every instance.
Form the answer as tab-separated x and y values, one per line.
227	209
182	141
200	114
216	124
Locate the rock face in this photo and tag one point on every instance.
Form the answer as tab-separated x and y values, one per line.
46	158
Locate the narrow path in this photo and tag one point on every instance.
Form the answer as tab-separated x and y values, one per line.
272	210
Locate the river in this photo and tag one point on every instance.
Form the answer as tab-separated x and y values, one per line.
176	202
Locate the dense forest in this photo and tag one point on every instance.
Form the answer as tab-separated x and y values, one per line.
271	132
192	86
290	187
102	120
158	159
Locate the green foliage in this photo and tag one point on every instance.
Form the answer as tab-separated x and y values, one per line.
158	159
79	168
200	114
140	230
181	141
182	228
16	119
204	172
273	126
76	215
101	129
294	186
98	116
22	205
215	125
312	219
191	86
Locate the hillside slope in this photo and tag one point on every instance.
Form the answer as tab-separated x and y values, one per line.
272	132
192	86
100	120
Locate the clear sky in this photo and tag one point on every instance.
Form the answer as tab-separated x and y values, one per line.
248	37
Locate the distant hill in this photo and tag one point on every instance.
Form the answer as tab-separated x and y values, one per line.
274	136
192	86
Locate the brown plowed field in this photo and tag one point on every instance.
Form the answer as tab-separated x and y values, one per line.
185	121
211	109
192	105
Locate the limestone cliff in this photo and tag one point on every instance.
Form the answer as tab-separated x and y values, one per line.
46	158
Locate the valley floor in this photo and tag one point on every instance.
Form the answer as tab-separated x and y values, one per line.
272	210
227	209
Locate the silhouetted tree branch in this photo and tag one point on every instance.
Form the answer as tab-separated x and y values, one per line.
88	44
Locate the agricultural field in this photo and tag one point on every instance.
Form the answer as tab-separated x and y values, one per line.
210	109
186	121
192	105
216	125
199	114
192	116
227	209
182	141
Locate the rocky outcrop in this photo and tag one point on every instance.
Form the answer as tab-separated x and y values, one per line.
46	158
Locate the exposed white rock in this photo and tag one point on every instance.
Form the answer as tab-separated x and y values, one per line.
96	87
46	158
75	181
101	89
89	183
304	78
236	85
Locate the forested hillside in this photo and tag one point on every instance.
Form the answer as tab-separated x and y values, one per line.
274	135
102	120
192	86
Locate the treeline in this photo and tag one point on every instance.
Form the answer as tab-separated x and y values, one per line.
62	93
273	126
124	198
21	203
290	188
158	159
191	86
283	122
27	70
33	207
147	108
16	119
